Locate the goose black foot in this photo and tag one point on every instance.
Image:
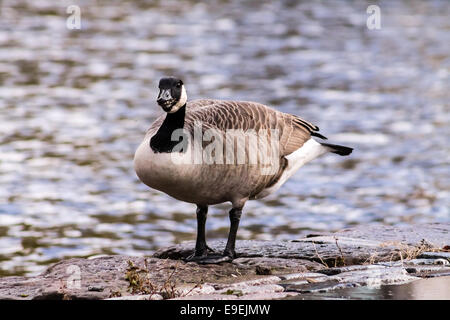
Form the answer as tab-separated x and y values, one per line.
199	255
209	258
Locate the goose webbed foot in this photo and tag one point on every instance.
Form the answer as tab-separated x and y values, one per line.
214	258
227	256
194	257
211	250
199	255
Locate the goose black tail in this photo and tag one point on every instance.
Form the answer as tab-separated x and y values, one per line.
340	150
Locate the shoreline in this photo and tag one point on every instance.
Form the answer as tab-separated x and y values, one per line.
307	268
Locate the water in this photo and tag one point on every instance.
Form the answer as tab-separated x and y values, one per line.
423	289
75	104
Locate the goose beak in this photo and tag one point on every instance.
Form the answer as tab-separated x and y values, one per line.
165	100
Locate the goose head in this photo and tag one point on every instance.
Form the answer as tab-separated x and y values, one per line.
172	94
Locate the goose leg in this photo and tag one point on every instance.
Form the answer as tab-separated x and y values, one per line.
229	253
235	218
201	248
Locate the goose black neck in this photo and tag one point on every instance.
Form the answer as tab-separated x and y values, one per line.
161	141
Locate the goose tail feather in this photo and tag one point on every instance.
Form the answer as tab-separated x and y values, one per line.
340	150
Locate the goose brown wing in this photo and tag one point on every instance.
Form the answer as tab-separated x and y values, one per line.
293	131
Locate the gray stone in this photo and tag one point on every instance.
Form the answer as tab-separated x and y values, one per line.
189	290
361	245
353	276
435	234
214	296
95	288
442	262
435	255
278	264
376	276
342	241
433	274
286	284
248	283
267	296
429	271
139	297
318	286
303	275
426	268
249	289
418	262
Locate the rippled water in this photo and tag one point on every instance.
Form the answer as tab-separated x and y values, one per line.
424	289
75	104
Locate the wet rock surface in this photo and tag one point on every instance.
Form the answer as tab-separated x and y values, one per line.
296	269
359	245
434	234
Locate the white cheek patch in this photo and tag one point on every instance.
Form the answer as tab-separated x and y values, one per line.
180	102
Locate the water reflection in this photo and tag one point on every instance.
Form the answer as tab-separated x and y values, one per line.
76	103
423	289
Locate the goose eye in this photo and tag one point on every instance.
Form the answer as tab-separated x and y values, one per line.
179	85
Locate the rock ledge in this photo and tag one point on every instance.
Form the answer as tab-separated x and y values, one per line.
363	256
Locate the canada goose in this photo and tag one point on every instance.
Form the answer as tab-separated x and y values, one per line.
205	182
